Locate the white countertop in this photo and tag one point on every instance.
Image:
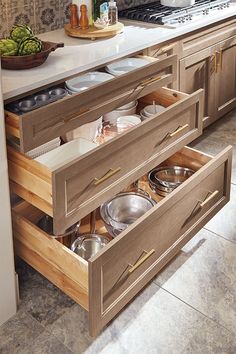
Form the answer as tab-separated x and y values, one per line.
79	55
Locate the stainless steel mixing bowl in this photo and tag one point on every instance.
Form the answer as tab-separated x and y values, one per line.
86	246
124	209
46	224
172	176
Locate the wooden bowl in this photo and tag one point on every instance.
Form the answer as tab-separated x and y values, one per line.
29	61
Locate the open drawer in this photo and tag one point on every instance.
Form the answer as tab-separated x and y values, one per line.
110	279
46	123
70	192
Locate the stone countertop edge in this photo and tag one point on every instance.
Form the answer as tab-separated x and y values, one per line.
80	55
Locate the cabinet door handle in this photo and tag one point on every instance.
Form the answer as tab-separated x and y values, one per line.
107	175
208	199
150	81
218	53
141	261
221	58
178	130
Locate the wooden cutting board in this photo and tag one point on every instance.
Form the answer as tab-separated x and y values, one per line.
93	32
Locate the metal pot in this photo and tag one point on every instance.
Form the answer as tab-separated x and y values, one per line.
177	3
46	224
86	246
124	209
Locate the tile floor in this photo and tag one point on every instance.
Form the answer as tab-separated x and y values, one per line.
190	307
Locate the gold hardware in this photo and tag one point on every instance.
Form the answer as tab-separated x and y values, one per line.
178	130
107	175
221	59
150	81
207	200
217	53
141	261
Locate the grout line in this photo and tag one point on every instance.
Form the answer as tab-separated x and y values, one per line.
215	233
209	318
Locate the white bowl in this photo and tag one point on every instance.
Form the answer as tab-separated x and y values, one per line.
88	80
135	119
151	110
87	131
66	153
126	65
131	104
114	115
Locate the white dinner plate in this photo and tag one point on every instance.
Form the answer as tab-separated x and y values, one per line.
86	81
126	65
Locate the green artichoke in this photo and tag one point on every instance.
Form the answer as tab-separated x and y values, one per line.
8	47
20	32
31	45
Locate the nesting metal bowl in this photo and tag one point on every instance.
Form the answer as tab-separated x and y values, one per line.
86	246
124	209
165	179
46	224
172	176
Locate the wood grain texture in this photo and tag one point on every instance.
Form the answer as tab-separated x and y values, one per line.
56	119
69	193
52	259
92	32
165	228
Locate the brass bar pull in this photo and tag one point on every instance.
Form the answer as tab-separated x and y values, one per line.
141	261
207	200
178	130
109	174
221	58
216	60
150	81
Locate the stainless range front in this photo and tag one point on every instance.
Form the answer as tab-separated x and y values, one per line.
155	13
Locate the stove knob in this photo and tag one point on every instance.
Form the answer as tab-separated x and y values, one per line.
190	17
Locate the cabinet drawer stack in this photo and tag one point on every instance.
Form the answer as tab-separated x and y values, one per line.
105	283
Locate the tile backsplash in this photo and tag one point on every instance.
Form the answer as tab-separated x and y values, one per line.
42	15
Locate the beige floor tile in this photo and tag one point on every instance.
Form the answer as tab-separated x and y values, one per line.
204	276
224	222
155	322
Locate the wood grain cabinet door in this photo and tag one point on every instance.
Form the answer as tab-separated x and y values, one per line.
225	76
198	71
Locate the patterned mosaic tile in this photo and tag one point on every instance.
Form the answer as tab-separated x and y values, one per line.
47	15
21	16
65	11
3	21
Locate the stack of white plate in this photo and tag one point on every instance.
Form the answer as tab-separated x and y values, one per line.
126	65
86	81
127	109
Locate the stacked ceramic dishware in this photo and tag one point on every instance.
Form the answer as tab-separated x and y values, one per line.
165	179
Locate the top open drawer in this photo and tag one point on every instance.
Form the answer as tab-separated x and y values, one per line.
48	122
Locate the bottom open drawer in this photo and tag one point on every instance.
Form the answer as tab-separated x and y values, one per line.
110	279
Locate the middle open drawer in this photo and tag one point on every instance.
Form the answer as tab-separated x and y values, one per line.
70	192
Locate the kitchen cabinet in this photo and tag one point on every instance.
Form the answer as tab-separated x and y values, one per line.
105	283
211	68
225	77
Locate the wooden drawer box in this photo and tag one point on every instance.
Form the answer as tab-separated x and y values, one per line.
110	279
70	192
46	123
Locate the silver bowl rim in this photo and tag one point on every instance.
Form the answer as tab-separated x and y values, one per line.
174	167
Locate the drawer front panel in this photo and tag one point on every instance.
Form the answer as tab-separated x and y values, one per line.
37	127
136	256
204	39
81	187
